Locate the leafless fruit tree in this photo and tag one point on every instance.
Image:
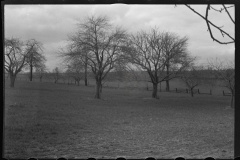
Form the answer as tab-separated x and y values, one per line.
192	78
75	52
75	70
35	58
224	74
102	42
56	74
175	49
15	54
149	51
41	70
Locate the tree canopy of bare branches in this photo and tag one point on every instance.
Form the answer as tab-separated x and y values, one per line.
35	58
15	57
175	53
210	24
155	50
41	70
192	77
75	70
98	44
224	74
56	74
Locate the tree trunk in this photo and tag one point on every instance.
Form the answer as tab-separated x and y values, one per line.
85	75
41	76
167	86
98	88
160	89
167	81
232	102
101	88
85	80
78	82
12	80
154	93
191	92
31	72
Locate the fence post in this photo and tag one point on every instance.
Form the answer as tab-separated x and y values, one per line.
176	90
210	92
223	93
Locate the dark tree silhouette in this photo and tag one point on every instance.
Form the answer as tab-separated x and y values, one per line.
14	57
75	70
35	58
56	74
192	78
146	50
41	71
98	43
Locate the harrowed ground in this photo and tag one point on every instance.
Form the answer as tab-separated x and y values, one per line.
46	120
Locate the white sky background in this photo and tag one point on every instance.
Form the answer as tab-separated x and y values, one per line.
50	24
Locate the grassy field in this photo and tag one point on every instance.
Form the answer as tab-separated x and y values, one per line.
46	120
140	85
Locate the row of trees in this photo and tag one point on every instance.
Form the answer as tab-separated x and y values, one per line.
74	72
99	47
21	55
215	73
102	48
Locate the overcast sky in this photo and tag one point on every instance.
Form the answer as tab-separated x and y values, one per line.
50	24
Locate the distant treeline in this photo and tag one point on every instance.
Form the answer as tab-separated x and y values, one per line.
112	76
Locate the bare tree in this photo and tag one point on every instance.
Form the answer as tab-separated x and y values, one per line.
175	51
102	42
122	70
192	78
56	74
73	62
75	51
41	70
35	58
14	57
120	75
210	24
146	50
75	70
224	74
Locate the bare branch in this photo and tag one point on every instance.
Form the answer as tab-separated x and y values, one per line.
210	23
228	13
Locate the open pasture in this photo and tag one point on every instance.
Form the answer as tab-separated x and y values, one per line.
47	120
